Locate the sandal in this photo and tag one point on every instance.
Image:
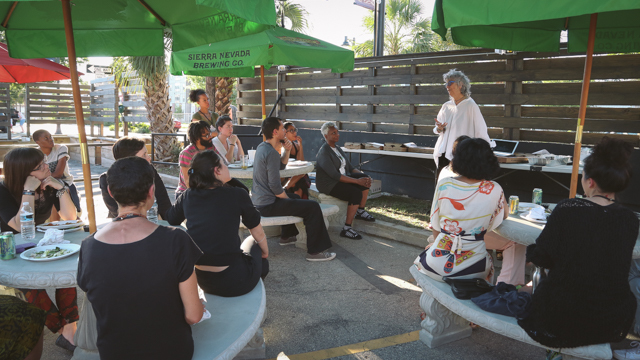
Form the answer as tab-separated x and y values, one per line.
351	234
364	215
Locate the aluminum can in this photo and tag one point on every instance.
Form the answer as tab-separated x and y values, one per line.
536	198
514	203
7	246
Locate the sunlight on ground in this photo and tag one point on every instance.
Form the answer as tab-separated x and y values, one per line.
400	283
382	243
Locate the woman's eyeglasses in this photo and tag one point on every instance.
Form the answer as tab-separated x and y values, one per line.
292	130
449	83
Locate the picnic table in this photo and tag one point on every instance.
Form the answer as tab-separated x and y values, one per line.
289	171
525	232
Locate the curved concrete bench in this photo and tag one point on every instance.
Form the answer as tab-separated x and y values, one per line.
447	319
327	210
233	331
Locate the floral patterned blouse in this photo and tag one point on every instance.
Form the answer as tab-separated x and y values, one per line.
463	213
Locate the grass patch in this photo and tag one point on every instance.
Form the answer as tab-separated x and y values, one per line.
400	210
172	170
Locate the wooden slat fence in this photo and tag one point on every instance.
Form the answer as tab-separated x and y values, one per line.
52	103
524	96
104	103
5	108
134	104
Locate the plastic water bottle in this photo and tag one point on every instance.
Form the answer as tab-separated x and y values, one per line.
27	226
152	214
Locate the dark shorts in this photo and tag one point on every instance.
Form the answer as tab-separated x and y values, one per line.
350	193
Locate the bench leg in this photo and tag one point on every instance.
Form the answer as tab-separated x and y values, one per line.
255	349
301	238
441	326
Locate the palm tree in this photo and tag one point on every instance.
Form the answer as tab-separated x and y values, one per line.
295	13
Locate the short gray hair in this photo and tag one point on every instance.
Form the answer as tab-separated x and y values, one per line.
326	126
462	80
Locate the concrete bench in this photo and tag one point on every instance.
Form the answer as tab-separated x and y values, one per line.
447	319
327	211
336	221
232	332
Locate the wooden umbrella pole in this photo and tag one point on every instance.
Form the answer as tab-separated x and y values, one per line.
263	97
77	100
583	105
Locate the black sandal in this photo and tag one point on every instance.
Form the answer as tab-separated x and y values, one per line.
350	234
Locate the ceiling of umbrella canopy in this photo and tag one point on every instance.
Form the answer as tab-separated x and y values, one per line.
537	25
35	29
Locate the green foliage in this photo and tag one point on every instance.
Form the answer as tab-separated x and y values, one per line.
17	94
140	128
295	13
178	109
196	82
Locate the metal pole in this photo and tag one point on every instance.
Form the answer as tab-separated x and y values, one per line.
262	93
84	149
380	30
583	105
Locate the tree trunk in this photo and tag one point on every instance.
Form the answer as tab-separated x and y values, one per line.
224	91
210	89
160	114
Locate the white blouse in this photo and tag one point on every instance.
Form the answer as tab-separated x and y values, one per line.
463	119
222	151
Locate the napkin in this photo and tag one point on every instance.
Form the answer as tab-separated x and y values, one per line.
53	237
537	213
205	316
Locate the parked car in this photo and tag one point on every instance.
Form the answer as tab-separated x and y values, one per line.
177	125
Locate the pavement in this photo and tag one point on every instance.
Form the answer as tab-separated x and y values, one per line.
362	305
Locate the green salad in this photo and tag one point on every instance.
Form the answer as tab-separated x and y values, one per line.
48	254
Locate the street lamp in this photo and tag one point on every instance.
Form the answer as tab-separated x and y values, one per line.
349	43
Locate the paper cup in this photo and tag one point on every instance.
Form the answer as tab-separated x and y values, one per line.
252	154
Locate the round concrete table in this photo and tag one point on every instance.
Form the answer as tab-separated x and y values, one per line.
289	171
525	232
20	273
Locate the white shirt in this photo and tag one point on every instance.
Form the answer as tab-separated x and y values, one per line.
463	119
222	151
343	162
58	152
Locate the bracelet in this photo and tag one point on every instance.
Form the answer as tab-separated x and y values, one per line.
232	144
28	192
258	242
62	191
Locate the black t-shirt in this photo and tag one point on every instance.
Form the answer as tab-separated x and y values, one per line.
133	289
213	219
9	207
162	198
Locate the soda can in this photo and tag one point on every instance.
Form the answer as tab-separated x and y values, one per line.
536	198
7	246
514	203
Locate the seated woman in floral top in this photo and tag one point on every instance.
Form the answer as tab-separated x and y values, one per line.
464	209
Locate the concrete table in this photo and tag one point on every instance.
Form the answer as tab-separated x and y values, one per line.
289	171
525	232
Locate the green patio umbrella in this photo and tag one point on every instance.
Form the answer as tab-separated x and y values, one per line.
238	57
600	25
36	29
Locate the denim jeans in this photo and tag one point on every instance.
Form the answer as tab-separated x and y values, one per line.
634	283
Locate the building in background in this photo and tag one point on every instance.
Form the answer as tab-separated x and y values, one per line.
179	94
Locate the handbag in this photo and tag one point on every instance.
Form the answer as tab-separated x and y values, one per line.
504	299
465	289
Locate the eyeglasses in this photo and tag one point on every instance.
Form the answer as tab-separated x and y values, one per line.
206	136
449	83
292	130
40	167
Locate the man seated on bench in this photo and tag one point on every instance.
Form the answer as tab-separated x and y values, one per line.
271	200
336	177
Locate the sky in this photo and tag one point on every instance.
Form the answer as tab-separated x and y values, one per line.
329	20
332	20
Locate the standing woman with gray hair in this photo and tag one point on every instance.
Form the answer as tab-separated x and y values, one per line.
458	116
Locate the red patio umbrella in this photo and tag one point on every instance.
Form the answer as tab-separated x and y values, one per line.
29	70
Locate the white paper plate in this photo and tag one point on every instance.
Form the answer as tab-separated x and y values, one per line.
525	207
237	166
61	225
526	217
298	163
73	247
65	230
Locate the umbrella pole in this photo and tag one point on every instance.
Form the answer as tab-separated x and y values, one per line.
263	97
77	100
586	80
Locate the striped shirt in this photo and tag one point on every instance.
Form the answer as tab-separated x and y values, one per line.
185	158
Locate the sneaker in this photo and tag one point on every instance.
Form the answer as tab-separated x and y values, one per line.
633	353
321	256
288	241
350	234
364	215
